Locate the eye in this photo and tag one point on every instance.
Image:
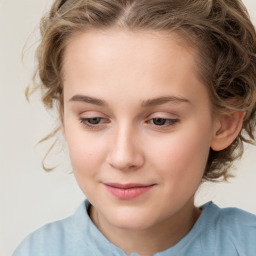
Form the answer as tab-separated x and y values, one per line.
93	122
163	121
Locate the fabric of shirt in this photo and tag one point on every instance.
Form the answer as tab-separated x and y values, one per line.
217	232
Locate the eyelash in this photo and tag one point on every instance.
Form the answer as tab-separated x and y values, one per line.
87	124
167	122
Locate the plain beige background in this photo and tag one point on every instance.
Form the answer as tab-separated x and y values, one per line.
30	197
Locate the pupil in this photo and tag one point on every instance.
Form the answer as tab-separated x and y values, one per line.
94	120
159	121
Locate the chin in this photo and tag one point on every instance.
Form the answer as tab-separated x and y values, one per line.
130	220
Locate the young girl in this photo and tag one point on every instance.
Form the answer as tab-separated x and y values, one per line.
154	97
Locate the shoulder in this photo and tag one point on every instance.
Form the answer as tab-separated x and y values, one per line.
237	215
234	229
239	224
45	239
57	238
227	217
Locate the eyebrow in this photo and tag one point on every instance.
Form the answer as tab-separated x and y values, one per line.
163	100
88	99
147	103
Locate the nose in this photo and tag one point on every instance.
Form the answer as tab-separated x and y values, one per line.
125	152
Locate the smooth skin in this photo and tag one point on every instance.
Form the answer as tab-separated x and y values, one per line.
135	111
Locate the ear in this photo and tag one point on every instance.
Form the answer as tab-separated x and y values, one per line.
227	129
63	131
62	126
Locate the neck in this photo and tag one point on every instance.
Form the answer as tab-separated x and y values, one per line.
149	241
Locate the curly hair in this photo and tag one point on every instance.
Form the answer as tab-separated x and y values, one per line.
219	30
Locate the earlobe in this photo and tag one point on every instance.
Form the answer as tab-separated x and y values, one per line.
62	126
229	127
63	131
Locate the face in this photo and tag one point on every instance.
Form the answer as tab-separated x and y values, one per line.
138	125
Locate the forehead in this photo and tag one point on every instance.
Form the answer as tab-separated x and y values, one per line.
112	61
115	45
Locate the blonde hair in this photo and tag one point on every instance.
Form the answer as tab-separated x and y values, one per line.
219	30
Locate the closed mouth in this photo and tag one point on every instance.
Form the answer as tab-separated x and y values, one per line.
127	191
127	186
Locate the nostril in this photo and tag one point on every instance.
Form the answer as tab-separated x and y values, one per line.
130	162
124	152
132	167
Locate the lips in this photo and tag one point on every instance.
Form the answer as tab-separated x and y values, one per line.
127	191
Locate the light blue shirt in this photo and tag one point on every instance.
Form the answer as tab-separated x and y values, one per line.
217	232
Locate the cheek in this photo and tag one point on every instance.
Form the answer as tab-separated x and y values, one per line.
182	157
85	160
84	154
